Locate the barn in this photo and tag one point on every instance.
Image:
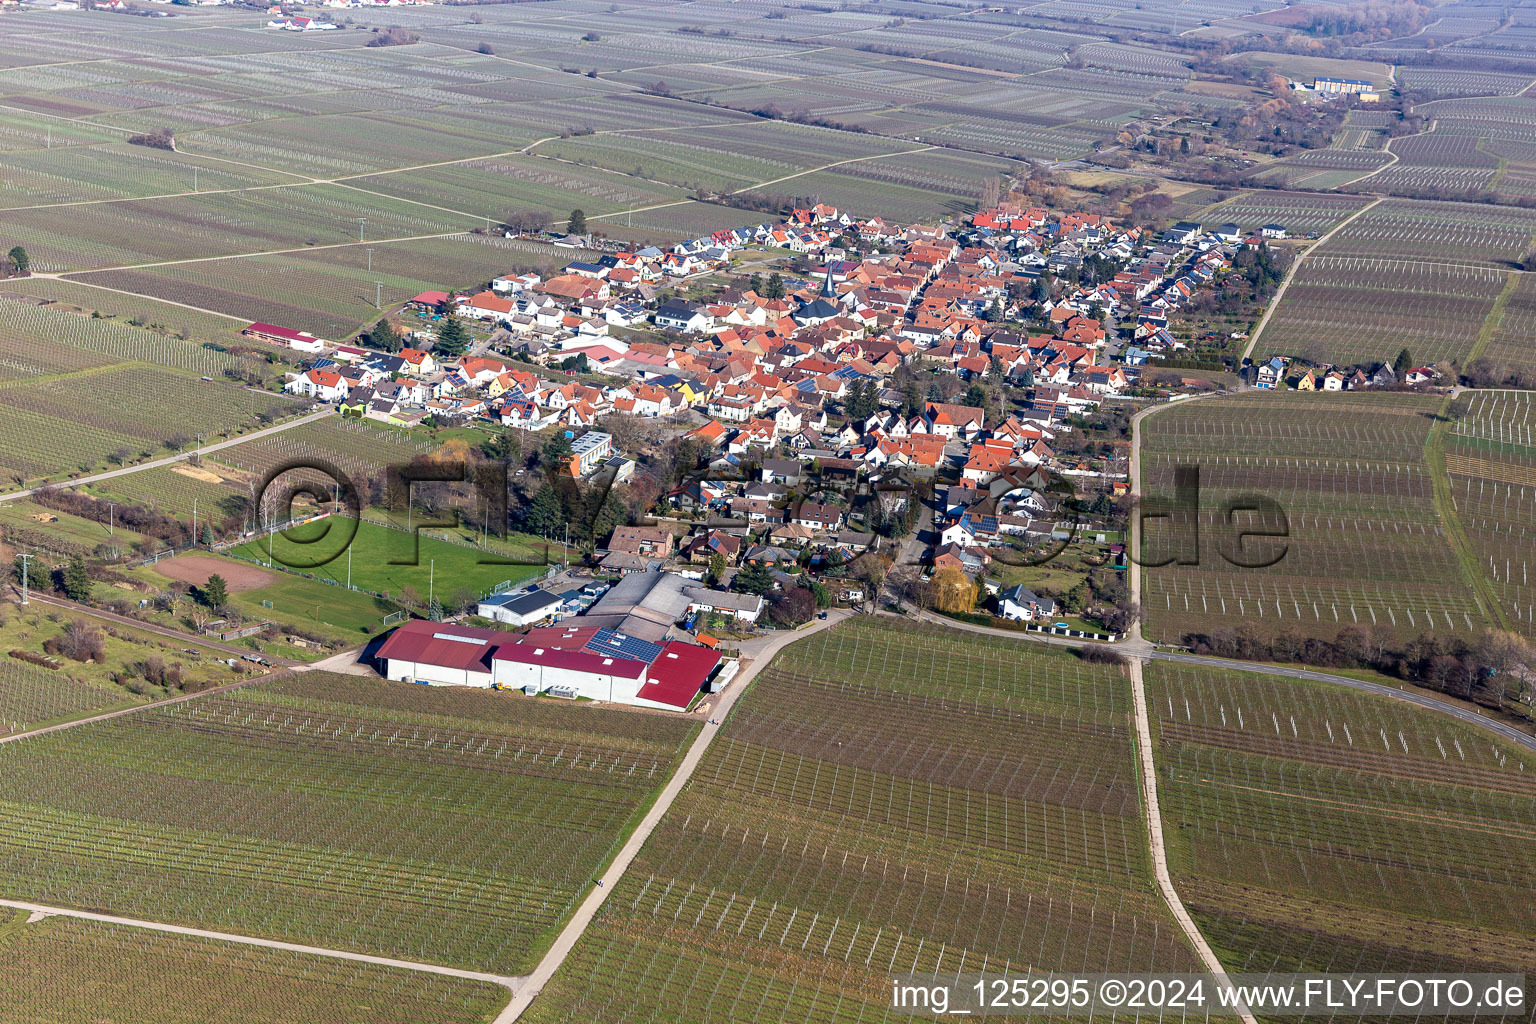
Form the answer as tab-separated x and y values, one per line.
566	661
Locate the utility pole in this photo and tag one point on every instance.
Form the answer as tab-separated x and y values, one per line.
111	519
360	222
370	261
376	295
349	566
194	522
194	178
26	562
431	579
199	449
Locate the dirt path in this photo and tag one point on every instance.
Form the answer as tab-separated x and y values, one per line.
508	983
1290	275
150	627
761	652
171	460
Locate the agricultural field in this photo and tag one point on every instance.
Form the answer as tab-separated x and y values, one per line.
1351	310
63	970
1368	542
331	292
1490	458
1302	213
31	696
35	695
180	322
182	228
1460	233
884	795
1319	829
46	430
444	825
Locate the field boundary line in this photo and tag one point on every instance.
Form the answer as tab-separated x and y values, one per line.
534	982
171	460
1156	840
508	982
1450	519
1290	275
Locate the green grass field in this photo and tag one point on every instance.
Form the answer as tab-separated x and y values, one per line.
376	556
446	825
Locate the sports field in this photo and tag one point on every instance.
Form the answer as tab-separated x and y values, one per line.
386	561
446	825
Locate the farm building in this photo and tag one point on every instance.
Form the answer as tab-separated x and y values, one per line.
595	663
300	341
520	609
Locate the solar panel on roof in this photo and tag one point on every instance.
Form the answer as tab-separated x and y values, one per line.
461	639
607	641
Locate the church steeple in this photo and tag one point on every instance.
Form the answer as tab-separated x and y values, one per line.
827	289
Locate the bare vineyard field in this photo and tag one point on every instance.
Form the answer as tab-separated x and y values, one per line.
454	826
32	696
193	227
887	797
1301	213
1366	545
62	970
1437	232
1490	456
1405	838
331	292
1359	309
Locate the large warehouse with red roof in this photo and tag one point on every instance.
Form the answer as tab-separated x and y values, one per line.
600	664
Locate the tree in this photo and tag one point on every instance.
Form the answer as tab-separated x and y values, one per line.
452	337
753	579
216	592
976	396
953	590
557	450
611	512
545	513
208	535
863	400
485	48
577	224
383	336
793	607
1402	364
717	568
820	592
77	579
774	288
527	222
19	259
502	446
755	283
994	313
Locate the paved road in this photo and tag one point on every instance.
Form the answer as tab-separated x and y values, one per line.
246	940
171	460
761	652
